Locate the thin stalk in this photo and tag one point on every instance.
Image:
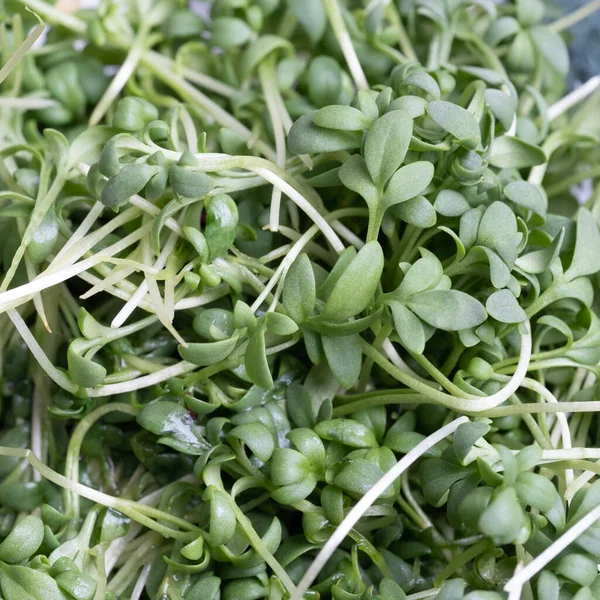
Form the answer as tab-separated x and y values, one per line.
353	517
471	405
572	99
190	94
576	16
334	14
268	80
74	448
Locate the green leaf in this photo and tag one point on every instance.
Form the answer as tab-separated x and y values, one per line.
386	145
228	32
324	79
504	307
207	353
413	105
23	583
450	203
438	475
502	105
579	568
416	211
504	518
346	431
344	357
169	420
408	327
538	492
586	258
407	182
510	152
527	195
257	437
130	180
222	516
83	370
299	289
548	586
255	361
489	233
311	15
221	223
355	176
538	261
423	275
344	118
280	324
260	49
23	541
78	585
457	121
189	183
359	476
552	46
307	138
357	285
450	310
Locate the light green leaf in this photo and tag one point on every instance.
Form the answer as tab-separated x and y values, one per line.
307	138
386	145
450	203
527	195
260	49
510	152
413	105
423	275
355	288
228	32
586	259
450	310
22	583
344	357
416	211
255	361
355	176
407	182
299	289
503	307
457	121
539	261
408	327
344	118
311	15
552	46
208	353
489	232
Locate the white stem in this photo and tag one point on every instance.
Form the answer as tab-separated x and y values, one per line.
181	368
303	204
397	361
24	103
345	41
576	96
45	281
584	478
206	298
81	231
135	300
284	265
571	454
521	577
366	501
57	376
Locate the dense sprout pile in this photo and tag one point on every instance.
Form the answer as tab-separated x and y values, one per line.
297	301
